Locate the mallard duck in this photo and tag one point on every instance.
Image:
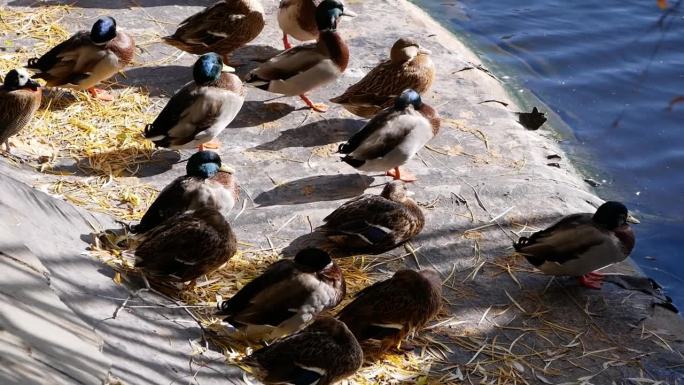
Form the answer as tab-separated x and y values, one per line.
578	244
322	354
389	310
373	224
302	68
297	18
207	183
409	66
19	99
221	28
201	110
86	58
393	137
286	297
186	246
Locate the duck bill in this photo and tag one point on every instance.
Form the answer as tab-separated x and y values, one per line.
631	219
227	68
410	193
424	51
226	168
32	84
349	13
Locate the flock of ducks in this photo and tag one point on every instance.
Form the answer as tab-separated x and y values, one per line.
185	233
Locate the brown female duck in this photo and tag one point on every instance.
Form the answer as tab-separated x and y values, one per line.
286	297
409	66
578	244
373	224
207	183
221	28
19	99
389	310
322	354
86	58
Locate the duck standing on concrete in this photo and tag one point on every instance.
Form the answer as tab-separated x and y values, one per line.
322	354
201	110
578	244
305	67
297	18
409	67
393	137
286	297
221	28
86	58
207	183
186	246
389	310
373	224
19	100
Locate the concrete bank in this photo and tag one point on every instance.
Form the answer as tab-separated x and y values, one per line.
483	180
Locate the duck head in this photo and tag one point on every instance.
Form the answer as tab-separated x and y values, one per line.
406	49
103	30
312	260
328	12
205	164
396	191
207	68
612	215
408	98
18	79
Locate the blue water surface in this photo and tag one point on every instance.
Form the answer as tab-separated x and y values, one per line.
608	69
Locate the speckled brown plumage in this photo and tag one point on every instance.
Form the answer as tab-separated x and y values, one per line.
322	354
221	28
389	310
383	83
17	107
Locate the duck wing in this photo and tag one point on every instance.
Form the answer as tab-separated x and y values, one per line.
382	84
170	201
377	138
16	109
289	63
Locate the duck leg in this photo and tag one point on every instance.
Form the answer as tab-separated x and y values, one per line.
100	94
318	107
286	43
403	176
592	280
212	145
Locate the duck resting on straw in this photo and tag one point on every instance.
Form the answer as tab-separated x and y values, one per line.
579	244
86	58
393	137
322	354
201	110
286	297
19	99
409	67
207	183
305	67
221	28
297	18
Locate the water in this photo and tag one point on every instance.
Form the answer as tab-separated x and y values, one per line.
609	72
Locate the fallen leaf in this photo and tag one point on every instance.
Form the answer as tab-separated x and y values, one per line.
662	4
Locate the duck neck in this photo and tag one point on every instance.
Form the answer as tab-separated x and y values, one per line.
332	42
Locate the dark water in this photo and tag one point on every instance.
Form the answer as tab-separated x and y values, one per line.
609	71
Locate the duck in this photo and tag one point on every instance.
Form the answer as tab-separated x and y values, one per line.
390	310
198	112
393	137
305	67
324	353
207	183
20	98
297	18
286	297
185	247
579	244
221	28
409	67
86	58
374	224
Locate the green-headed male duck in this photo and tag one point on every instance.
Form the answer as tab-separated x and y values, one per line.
221	28
393	137
373	224
297	18
578	244
322	354
389	310
207	183
197	113
19	99
409	67
305	67
86	58
286	297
